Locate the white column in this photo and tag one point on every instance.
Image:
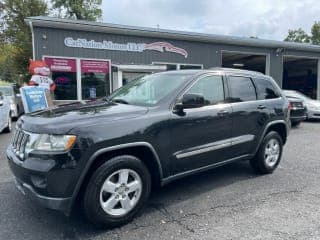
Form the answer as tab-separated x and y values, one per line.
119	79
79	87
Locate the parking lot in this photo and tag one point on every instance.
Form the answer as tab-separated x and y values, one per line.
231	202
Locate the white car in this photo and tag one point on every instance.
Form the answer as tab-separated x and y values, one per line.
15	101
313	106
5	114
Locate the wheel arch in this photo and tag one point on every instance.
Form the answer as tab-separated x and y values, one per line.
279	126
142	150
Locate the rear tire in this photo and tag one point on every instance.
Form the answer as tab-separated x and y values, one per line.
295	124
269	154
117	191
9	125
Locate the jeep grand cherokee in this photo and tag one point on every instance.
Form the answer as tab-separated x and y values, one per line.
157	128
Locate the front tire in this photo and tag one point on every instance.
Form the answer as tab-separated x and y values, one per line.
269	154
117	191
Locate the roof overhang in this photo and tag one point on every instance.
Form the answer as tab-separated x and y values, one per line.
59	23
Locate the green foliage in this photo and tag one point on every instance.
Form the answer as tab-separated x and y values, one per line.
79	9
298	35
315	33
7	69
16	33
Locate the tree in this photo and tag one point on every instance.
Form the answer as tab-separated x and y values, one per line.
7	69
298	35
79	9
315	33
17	33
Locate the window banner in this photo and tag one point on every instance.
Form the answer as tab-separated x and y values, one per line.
61	64
93	66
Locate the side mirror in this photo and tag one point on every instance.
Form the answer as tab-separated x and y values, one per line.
190	100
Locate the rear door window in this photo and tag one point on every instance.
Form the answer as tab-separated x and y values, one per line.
241	89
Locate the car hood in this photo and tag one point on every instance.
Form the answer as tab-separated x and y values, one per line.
61	120
313	103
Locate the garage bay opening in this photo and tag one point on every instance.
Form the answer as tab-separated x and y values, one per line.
244	61
300	74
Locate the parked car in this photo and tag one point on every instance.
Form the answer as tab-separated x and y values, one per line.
298	112
5	114
15	101
108	154
313	106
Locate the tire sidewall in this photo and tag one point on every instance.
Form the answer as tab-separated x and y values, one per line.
265	167
92	205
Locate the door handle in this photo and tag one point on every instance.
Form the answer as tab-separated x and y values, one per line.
222	113
262	107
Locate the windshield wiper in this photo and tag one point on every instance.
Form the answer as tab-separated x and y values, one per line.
119	100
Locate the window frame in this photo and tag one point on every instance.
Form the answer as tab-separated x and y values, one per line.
78	73
243	76
194	81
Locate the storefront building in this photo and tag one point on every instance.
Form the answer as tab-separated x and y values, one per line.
90	59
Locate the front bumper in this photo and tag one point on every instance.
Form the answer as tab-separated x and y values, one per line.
60	204
298	118
46	181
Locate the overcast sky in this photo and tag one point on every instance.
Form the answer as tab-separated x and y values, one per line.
269	19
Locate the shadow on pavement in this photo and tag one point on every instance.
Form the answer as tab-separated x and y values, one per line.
76	226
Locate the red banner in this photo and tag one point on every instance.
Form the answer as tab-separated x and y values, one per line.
61	64
93	66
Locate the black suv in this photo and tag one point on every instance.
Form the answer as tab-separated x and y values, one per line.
109	153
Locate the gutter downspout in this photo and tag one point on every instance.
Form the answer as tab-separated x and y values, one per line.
32	37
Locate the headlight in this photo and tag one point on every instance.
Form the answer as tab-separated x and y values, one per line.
46	142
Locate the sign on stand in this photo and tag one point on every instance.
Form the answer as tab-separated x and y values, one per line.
34	98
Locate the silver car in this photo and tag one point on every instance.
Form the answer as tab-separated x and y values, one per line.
15	101
5	114
313	106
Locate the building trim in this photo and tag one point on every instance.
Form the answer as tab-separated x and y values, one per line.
91	26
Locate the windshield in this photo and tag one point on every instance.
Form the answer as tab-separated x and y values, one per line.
7	91
295	94
150	89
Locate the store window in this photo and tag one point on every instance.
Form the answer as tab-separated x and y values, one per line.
179	66
64	74
95	78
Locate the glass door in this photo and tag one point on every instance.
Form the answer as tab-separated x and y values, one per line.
95	78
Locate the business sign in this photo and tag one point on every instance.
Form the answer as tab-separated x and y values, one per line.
33	98
94	66
129	47
61	64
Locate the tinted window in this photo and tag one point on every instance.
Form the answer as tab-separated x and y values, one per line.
266	89
211	88
241	89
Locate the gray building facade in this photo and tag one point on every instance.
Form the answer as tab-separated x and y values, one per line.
93	59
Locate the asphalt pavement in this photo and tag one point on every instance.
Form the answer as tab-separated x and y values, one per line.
230	202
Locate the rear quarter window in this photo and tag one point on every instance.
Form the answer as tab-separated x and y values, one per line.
266	90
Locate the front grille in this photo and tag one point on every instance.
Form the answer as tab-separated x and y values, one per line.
19	142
